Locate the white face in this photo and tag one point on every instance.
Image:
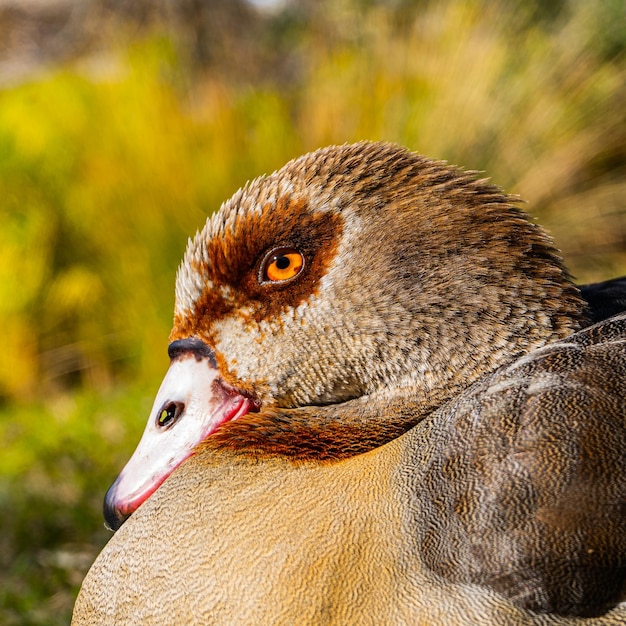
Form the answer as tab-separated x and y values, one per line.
192	403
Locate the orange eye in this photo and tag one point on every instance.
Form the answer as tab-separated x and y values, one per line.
282	264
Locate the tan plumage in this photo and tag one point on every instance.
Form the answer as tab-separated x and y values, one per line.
427	435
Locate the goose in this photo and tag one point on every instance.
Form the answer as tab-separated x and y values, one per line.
386	404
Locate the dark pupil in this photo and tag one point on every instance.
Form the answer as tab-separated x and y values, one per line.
282	262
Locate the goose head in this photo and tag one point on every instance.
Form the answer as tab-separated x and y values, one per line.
328	307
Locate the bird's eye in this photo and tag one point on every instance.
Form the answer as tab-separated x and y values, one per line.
281	265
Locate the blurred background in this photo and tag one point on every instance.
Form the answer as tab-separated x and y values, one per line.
124	123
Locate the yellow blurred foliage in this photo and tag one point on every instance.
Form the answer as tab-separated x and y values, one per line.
106	168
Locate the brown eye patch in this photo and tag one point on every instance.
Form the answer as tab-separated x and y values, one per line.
239	261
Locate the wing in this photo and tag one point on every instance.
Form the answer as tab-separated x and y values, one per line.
525	487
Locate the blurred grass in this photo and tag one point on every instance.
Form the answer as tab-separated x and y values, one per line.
57	457
107	165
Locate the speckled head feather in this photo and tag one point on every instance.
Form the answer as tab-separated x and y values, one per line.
421	275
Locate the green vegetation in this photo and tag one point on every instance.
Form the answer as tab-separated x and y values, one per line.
107	167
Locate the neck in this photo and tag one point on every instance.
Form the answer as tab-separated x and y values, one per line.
327	433
338	431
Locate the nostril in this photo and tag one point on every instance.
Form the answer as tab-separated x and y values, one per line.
169	413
